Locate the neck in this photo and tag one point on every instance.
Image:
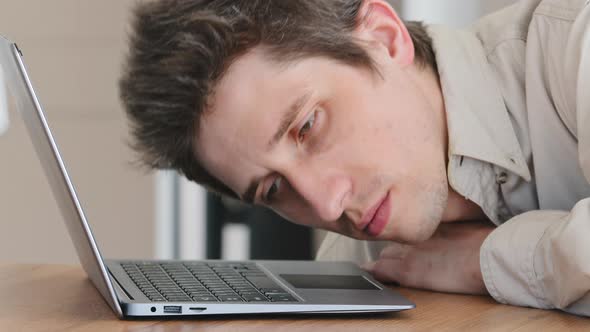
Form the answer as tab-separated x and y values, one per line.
427	79
458	207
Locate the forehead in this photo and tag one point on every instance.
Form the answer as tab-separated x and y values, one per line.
245	109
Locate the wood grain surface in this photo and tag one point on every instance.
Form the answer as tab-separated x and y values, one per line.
61	298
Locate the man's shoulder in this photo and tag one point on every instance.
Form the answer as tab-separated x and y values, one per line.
509	24
561	9
558	53
512	24
560	29
551	38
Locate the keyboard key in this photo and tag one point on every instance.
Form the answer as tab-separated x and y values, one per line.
185	279
222	290
157	298
204	299
149	290
250	294
215	285
225	294
167	288
271	290
282	298
172	291
230	298
255	298
179	299
244	287
192	284
194	288
200	294
253	274
262	282
174	294
241	282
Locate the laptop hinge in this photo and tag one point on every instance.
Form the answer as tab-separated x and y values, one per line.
119	286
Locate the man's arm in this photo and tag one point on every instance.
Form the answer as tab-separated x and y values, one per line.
447	262
542	258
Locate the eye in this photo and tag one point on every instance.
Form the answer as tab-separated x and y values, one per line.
272	190
306	126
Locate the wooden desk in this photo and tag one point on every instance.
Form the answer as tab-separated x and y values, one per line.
61	298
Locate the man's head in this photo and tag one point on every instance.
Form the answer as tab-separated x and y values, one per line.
314	108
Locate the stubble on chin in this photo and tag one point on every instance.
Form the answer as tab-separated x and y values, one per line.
429	208
436	200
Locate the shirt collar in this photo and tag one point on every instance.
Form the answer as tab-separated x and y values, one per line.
478	122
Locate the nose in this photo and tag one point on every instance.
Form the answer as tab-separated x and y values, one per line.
324	190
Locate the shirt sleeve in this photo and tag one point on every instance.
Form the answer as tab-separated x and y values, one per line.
541	259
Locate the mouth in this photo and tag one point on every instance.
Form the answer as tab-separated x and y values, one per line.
375	219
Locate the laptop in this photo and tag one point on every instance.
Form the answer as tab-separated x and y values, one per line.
156	288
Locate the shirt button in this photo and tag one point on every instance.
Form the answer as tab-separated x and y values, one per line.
501	178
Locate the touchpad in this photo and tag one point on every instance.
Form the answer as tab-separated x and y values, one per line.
328	281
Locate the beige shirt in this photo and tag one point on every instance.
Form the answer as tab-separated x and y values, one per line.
516	87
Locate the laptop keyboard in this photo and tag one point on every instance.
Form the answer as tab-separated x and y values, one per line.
205	282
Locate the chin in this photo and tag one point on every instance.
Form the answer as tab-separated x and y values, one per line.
425	216
411	234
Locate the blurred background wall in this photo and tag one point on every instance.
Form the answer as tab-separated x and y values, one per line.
74	50
457	13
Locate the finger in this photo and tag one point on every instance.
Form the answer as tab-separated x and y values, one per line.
368	266
387	270
406	272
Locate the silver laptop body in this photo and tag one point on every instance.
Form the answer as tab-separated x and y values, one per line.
144	288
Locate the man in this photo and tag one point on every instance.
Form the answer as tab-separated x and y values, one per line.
413	142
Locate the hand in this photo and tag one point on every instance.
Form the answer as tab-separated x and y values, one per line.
447	262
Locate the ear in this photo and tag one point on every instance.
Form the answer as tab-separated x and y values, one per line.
381	27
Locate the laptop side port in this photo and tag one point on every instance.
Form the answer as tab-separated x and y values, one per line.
172	309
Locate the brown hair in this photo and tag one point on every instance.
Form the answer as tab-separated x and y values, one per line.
179	49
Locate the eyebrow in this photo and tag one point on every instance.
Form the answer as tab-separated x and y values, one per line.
287	119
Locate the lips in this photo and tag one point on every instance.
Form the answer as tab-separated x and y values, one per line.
376	218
